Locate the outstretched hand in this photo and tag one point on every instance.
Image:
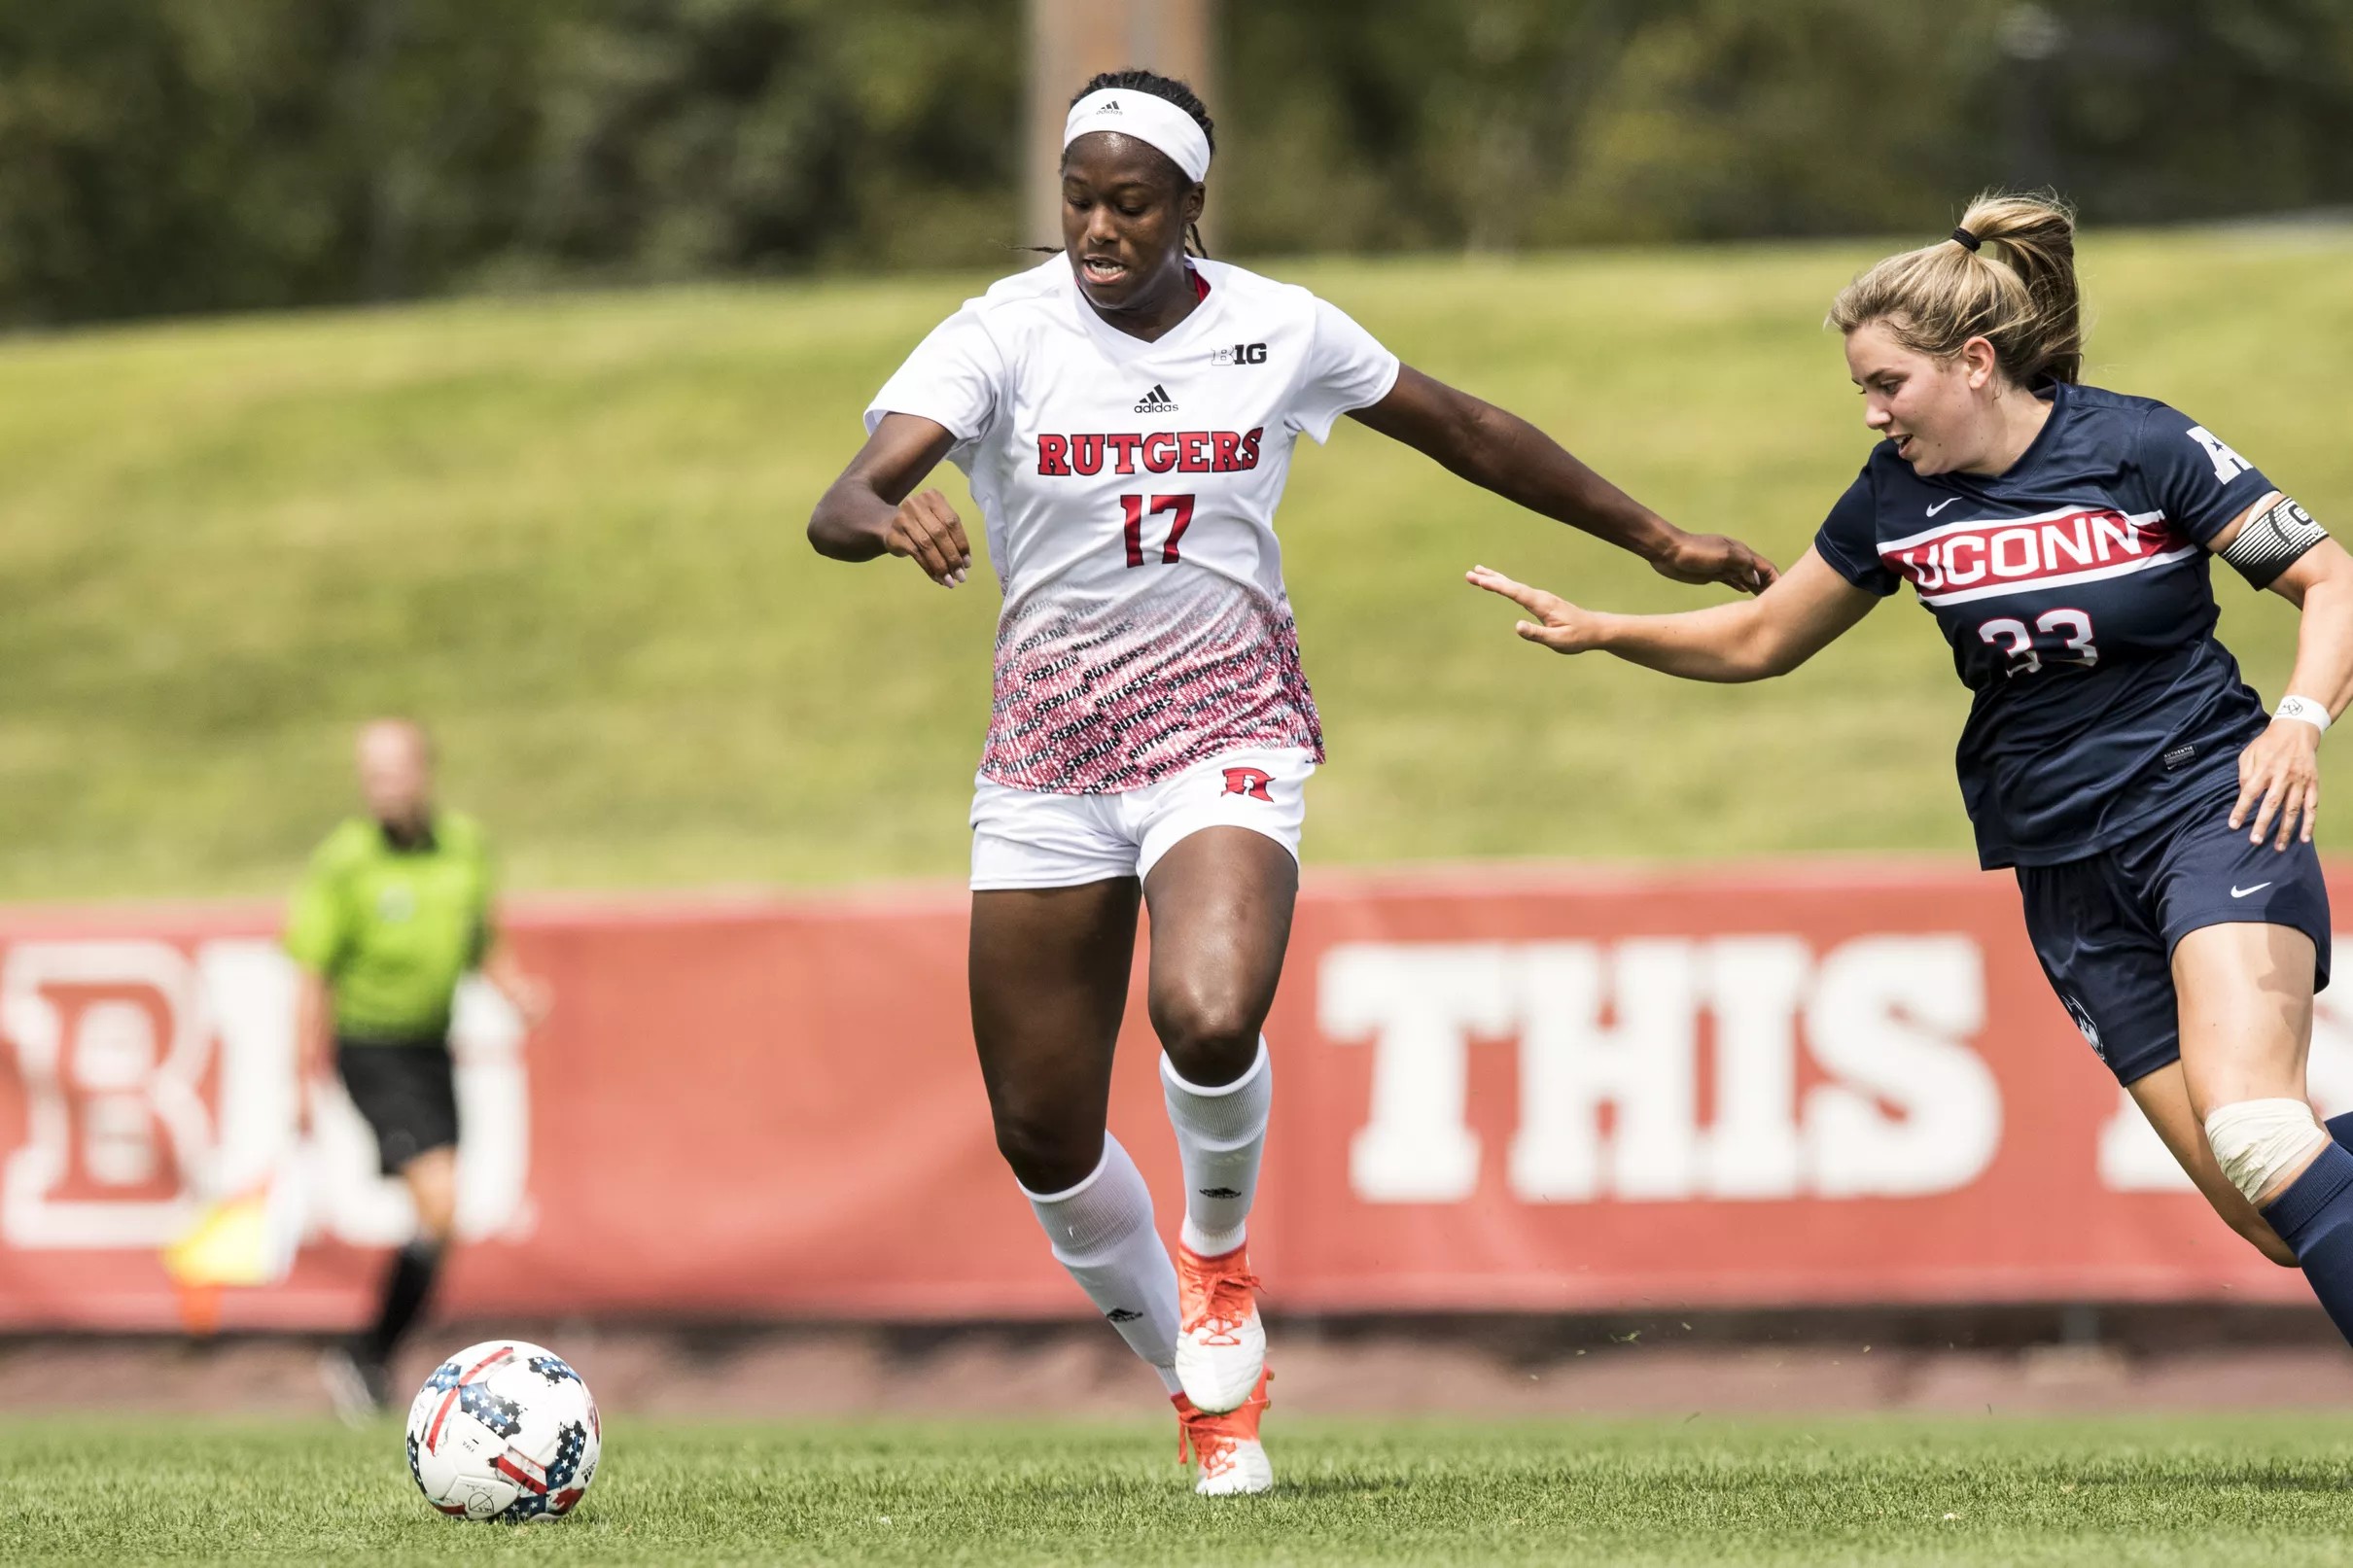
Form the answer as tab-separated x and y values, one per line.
928	530
1713	558
1558	625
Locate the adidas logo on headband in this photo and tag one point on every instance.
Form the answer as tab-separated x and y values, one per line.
1156	123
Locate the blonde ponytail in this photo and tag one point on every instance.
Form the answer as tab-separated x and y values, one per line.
2023	297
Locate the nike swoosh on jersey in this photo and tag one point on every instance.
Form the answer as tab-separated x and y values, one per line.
2236	891
1942	505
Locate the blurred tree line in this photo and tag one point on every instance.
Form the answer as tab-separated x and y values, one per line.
166	156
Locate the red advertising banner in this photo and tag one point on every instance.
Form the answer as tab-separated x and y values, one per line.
1497	1088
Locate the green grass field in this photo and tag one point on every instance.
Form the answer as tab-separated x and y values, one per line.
568	532
2247	1491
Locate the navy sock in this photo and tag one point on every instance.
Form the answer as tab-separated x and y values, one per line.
2316	1217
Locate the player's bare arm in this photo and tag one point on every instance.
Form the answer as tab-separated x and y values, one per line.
314	1039
2279	772
1498	450
875	509
1799	614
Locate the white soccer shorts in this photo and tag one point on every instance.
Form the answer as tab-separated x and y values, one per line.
1023	838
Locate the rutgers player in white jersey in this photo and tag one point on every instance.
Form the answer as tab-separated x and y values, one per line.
1125	414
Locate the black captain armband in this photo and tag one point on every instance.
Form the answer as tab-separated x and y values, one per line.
2275	540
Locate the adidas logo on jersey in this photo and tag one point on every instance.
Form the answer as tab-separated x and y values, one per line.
1156	402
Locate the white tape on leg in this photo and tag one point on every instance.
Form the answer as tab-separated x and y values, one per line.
2257	1141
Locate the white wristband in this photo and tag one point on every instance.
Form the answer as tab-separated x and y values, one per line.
2306	709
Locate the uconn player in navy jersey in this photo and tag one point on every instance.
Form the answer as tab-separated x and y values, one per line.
1126	415
2159	821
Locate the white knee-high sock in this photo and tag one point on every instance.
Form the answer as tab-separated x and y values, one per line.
1101	1232
1220	1133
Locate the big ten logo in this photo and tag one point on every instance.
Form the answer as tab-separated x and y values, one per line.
156	1078
2132	1159
1665	1069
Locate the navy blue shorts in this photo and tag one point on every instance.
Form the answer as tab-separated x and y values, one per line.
2104	926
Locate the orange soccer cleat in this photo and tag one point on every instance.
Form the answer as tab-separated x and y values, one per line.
1232	1459
1220	1344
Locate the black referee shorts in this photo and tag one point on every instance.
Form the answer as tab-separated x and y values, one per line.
407	1092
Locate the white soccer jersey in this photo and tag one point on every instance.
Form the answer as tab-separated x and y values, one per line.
1129	490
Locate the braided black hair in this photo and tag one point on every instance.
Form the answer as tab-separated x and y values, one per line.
1171	89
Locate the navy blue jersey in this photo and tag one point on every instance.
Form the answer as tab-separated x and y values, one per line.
2075	592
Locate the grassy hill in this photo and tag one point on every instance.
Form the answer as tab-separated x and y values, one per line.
567	531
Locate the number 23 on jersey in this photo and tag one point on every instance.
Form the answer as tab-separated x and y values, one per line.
2072	626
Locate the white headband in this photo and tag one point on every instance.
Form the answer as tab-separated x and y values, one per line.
1147	119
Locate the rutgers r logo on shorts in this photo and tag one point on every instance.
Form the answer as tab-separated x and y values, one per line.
1250	781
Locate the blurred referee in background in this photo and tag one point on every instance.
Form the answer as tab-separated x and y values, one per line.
393	913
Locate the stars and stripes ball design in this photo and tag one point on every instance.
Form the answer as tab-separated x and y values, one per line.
504	1430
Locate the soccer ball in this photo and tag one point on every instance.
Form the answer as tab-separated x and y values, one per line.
504	1430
